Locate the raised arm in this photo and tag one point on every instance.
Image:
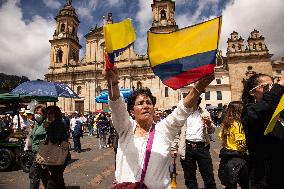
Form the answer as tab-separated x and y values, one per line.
120	117
112	78
199	87
173	123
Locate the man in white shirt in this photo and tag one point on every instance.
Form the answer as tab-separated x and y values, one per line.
73	121
193	146
22	122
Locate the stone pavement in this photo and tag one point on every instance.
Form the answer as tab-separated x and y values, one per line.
94	169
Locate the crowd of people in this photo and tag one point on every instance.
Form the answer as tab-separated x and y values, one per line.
145	139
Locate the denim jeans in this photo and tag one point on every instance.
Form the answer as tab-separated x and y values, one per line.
102	140
77	143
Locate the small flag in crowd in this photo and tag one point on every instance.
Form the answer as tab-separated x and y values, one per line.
118	37
182	57
275	116
109	59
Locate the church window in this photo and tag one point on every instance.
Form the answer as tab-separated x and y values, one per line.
139	85
166	91
254	46
219	95
233	46
260	45
59	56
278	71
62	28
207	95
79	90
218	81
220	105
73	31
239	47
163	15
74	56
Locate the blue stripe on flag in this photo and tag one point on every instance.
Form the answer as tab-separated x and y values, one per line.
175	67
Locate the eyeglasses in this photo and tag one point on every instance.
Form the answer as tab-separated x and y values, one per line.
265	86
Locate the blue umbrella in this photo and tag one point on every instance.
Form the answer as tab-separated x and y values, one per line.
103	96
45	88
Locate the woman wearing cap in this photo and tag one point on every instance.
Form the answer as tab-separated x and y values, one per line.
133	133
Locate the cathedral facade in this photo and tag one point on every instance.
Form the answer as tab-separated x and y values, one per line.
84	75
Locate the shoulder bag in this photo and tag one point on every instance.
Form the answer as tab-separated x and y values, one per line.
52	154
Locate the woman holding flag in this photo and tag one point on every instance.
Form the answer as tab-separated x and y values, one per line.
135	164
261	98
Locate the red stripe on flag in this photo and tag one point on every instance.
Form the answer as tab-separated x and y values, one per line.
108	65
189	77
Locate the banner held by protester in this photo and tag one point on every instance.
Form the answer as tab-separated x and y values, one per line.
182	57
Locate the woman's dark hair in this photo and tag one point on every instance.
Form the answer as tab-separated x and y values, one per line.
233	113
43	110
249	84
56	110
142	91
102	116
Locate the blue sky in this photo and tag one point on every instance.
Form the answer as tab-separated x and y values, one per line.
90	12
27	25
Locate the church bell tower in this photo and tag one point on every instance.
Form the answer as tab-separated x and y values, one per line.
163	16
65	45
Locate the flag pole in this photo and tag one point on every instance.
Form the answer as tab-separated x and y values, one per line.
111	90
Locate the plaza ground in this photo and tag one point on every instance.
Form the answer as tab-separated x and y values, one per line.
94	168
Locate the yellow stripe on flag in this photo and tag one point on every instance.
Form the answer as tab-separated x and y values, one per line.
119	35
189	41
275	116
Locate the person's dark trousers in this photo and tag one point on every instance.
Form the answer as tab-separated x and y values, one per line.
56	179
199	154
98	135
77	143
37	173
243	180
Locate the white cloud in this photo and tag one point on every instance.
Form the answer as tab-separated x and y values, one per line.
243	16
24	48
85	9
114	2
181	2
54	4
144	18
263	15
187	19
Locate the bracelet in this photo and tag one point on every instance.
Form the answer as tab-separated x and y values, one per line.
113	84
196	89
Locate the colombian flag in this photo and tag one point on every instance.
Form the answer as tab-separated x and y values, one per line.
182	57
118	37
